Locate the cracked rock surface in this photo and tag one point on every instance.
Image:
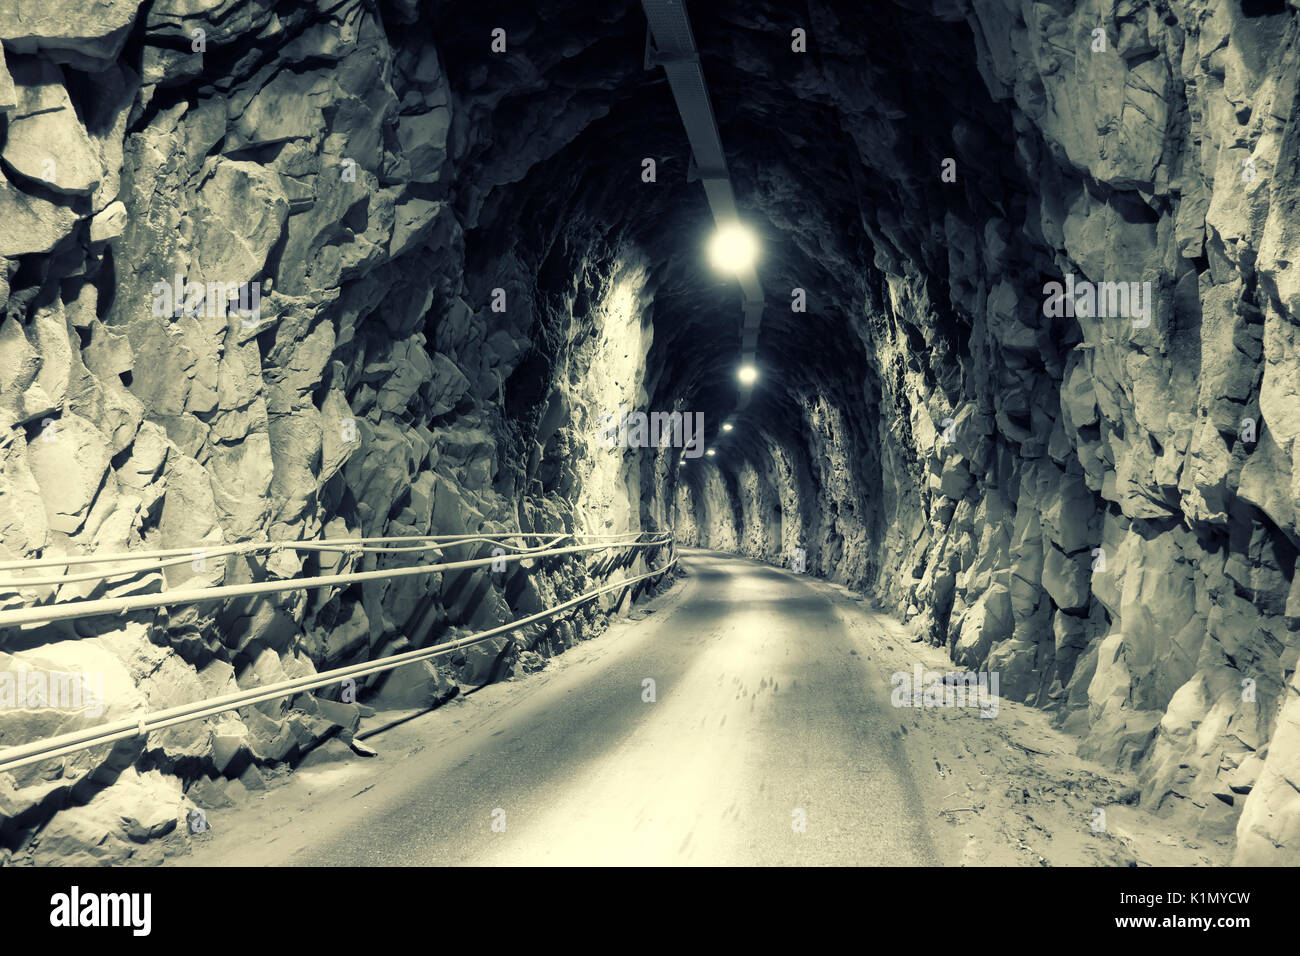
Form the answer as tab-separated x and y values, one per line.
461	269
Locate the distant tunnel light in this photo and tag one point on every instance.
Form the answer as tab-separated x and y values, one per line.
733	248
711	453
747	374
726	426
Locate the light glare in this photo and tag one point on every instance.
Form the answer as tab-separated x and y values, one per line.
747	374
733	248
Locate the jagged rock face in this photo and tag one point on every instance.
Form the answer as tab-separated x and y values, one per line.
371	380
1098	506
461	269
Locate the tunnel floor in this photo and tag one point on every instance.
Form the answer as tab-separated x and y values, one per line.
771	739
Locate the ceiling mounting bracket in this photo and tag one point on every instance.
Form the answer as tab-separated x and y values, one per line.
654	57
694	173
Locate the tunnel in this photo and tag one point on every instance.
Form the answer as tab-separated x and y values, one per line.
585	412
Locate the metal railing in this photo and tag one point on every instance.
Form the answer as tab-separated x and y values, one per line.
14	758
146	561
47	613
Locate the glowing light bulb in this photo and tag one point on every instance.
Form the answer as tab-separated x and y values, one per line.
747	374
726	426
711	453
733	248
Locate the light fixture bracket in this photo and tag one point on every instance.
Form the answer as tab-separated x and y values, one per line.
654	57
695	174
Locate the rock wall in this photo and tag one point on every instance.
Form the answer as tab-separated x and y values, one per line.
461	265
1099	507
405	371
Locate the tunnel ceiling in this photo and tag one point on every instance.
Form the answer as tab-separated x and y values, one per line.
835	158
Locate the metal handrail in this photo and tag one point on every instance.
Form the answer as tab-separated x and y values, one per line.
301	544
324	544
14	758
74	610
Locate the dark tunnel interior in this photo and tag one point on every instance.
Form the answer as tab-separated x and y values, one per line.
1027	367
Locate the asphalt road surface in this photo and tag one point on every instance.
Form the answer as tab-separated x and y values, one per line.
770	740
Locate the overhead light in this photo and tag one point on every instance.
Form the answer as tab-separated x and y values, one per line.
710	452
726	426
733	248
747	374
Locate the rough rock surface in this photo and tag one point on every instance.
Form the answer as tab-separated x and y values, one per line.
1101	509
462	269
308	149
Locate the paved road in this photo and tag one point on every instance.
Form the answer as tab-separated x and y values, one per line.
763	713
